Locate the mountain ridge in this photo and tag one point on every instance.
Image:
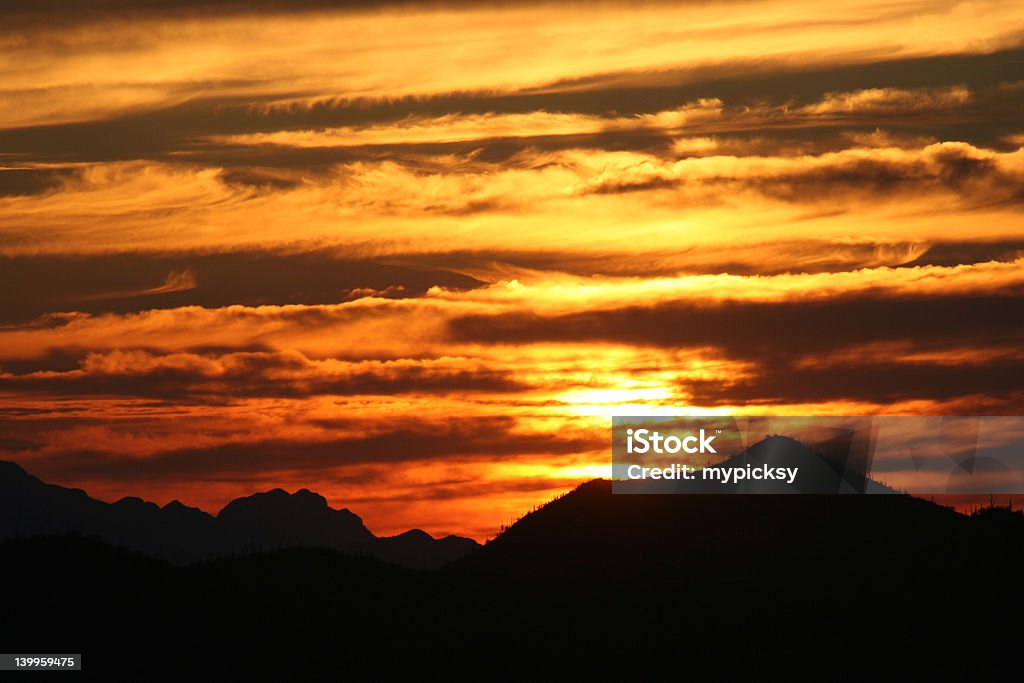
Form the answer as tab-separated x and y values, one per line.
586	528
182	534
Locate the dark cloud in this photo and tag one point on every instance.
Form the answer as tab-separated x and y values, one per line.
152	134
806	255
166	133
31	286
764	330
70	358
29	181
776	337
260	179
17	15
978	180
477	438
759	81
54	360
15	444
187	378
877	381
952	253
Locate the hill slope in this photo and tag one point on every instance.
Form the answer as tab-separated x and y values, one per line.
594	531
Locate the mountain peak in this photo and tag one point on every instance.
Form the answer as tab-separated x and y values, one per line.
277	499
137	503
280	519
10	470
415	534
181	511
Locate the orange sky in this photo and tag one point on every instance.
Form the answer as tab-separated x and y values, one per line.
413	256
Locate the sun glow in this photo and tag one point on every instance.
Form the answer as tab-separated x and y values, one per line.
627	400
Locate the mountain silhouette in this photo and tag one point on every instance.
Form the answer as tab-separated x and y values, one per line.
591	585
182	534
279	519
599	528
831	467
417	548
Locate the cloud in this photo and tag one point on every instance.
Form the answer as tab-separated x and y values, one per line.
874	382
469	439
461	128
751	328
381	328
146	60
205	377
700	117
763	100
405	205
978	177
889	101
176	281
31	180
31	286
778	344
522	341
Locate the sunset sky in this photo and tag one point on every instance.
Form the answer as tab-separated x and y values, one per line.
413	256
